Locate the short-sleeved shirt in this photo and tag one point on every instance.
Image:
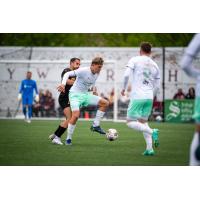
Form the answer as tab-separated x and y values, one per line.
144	73
85	79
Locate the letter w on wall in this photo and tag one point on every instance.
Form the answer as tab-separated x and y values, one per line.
42	74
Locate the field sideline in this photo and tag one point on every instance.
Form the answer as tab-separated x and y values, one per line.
25	144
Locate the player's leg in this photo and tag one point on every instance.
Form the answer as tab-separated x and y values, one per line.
195	145
102	106
75	103
72	126
137	116
56	137
30	107
24	104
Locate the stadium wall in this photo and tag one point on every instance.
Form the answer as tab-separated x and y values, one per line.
48	75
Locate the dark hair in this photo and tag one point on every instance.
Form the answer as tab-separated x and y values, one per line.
98	61
146	47
74	59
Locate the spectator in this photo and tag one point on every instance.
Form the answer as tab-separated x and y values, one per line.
190	94
179	94
49	105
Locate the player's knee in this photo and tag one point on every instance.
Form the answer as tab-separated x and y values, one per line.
76	115
104	103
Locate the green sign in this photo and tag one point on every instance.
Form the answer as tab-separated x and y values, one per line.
179	110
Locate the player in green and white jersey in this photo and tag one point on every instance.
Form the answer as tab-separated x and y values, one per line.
186	64
145	84
80	97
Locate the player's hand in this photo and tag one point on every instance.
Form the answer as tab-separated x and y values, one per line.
19	97
70	81
61	88
123	92
37	98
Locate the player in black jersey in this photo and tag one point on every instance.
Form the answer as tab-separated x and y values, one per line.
64	102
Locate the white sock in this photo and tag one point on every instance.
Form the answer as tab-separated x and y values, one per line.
148	140
140	127
70	131
99	116
193	146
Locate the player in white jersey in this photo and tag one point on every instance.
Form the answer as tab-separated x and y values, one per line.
145	84
80	97
186	64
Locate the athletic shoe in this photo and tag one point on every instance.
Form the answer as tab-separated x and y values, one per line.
52	136
148	152
155	137
28	121
97	129
68	142
57	140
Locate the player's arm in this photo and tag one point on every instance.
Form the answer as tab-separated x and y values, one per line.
36	91
157	83
70	81
189	55
125	80
61	87
20	91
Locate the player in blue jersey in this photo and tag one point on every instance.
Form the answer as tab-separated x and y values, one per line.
26	94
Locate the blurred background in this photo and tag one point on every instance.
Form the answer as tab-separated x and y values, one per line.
46	55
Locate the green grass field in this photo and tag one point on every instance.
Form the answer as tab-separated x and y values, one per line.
28	145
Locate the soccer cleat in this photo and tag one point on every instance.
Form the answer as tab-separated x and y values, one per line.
57	140
155	137
28	121
68	142
52	136
148	152
97	129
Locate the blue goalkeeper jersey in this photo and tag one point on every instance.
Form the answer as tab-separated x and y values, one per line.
27	88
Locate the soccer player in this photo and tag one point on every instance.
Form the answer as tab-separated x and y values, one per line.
26	94
186	64
64	102
145	84
80	97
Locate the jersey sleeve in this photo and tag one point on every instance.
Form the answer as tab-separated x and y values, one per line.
78	73
21	87
157	81
35	87
131	63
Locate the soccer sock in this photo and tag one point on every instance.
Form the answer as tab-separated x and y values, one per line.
29	111
148	140
60	130
99	116
24	111
140	127
70	131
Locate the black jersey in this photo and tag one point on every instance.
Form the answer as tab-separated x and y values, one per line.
67	87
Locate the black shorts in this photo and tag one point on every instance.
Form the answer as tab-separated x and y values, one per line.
63	101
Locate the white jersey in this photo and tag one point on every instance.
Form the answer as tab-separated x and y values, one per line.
186	62
145	74
85	79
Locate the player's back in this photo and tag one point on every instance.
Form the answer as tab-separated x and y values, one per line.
145	71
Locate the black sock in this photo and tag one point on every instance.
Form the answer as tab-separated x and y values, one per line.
60	130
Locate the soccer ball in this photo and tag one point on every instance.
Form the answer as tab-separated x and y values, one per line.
112	134
158	118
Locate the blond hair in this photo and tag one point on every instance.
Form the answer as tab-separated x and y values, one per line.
98	61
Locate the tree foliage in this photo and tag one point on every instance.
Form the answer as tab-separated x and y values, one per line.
94	39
